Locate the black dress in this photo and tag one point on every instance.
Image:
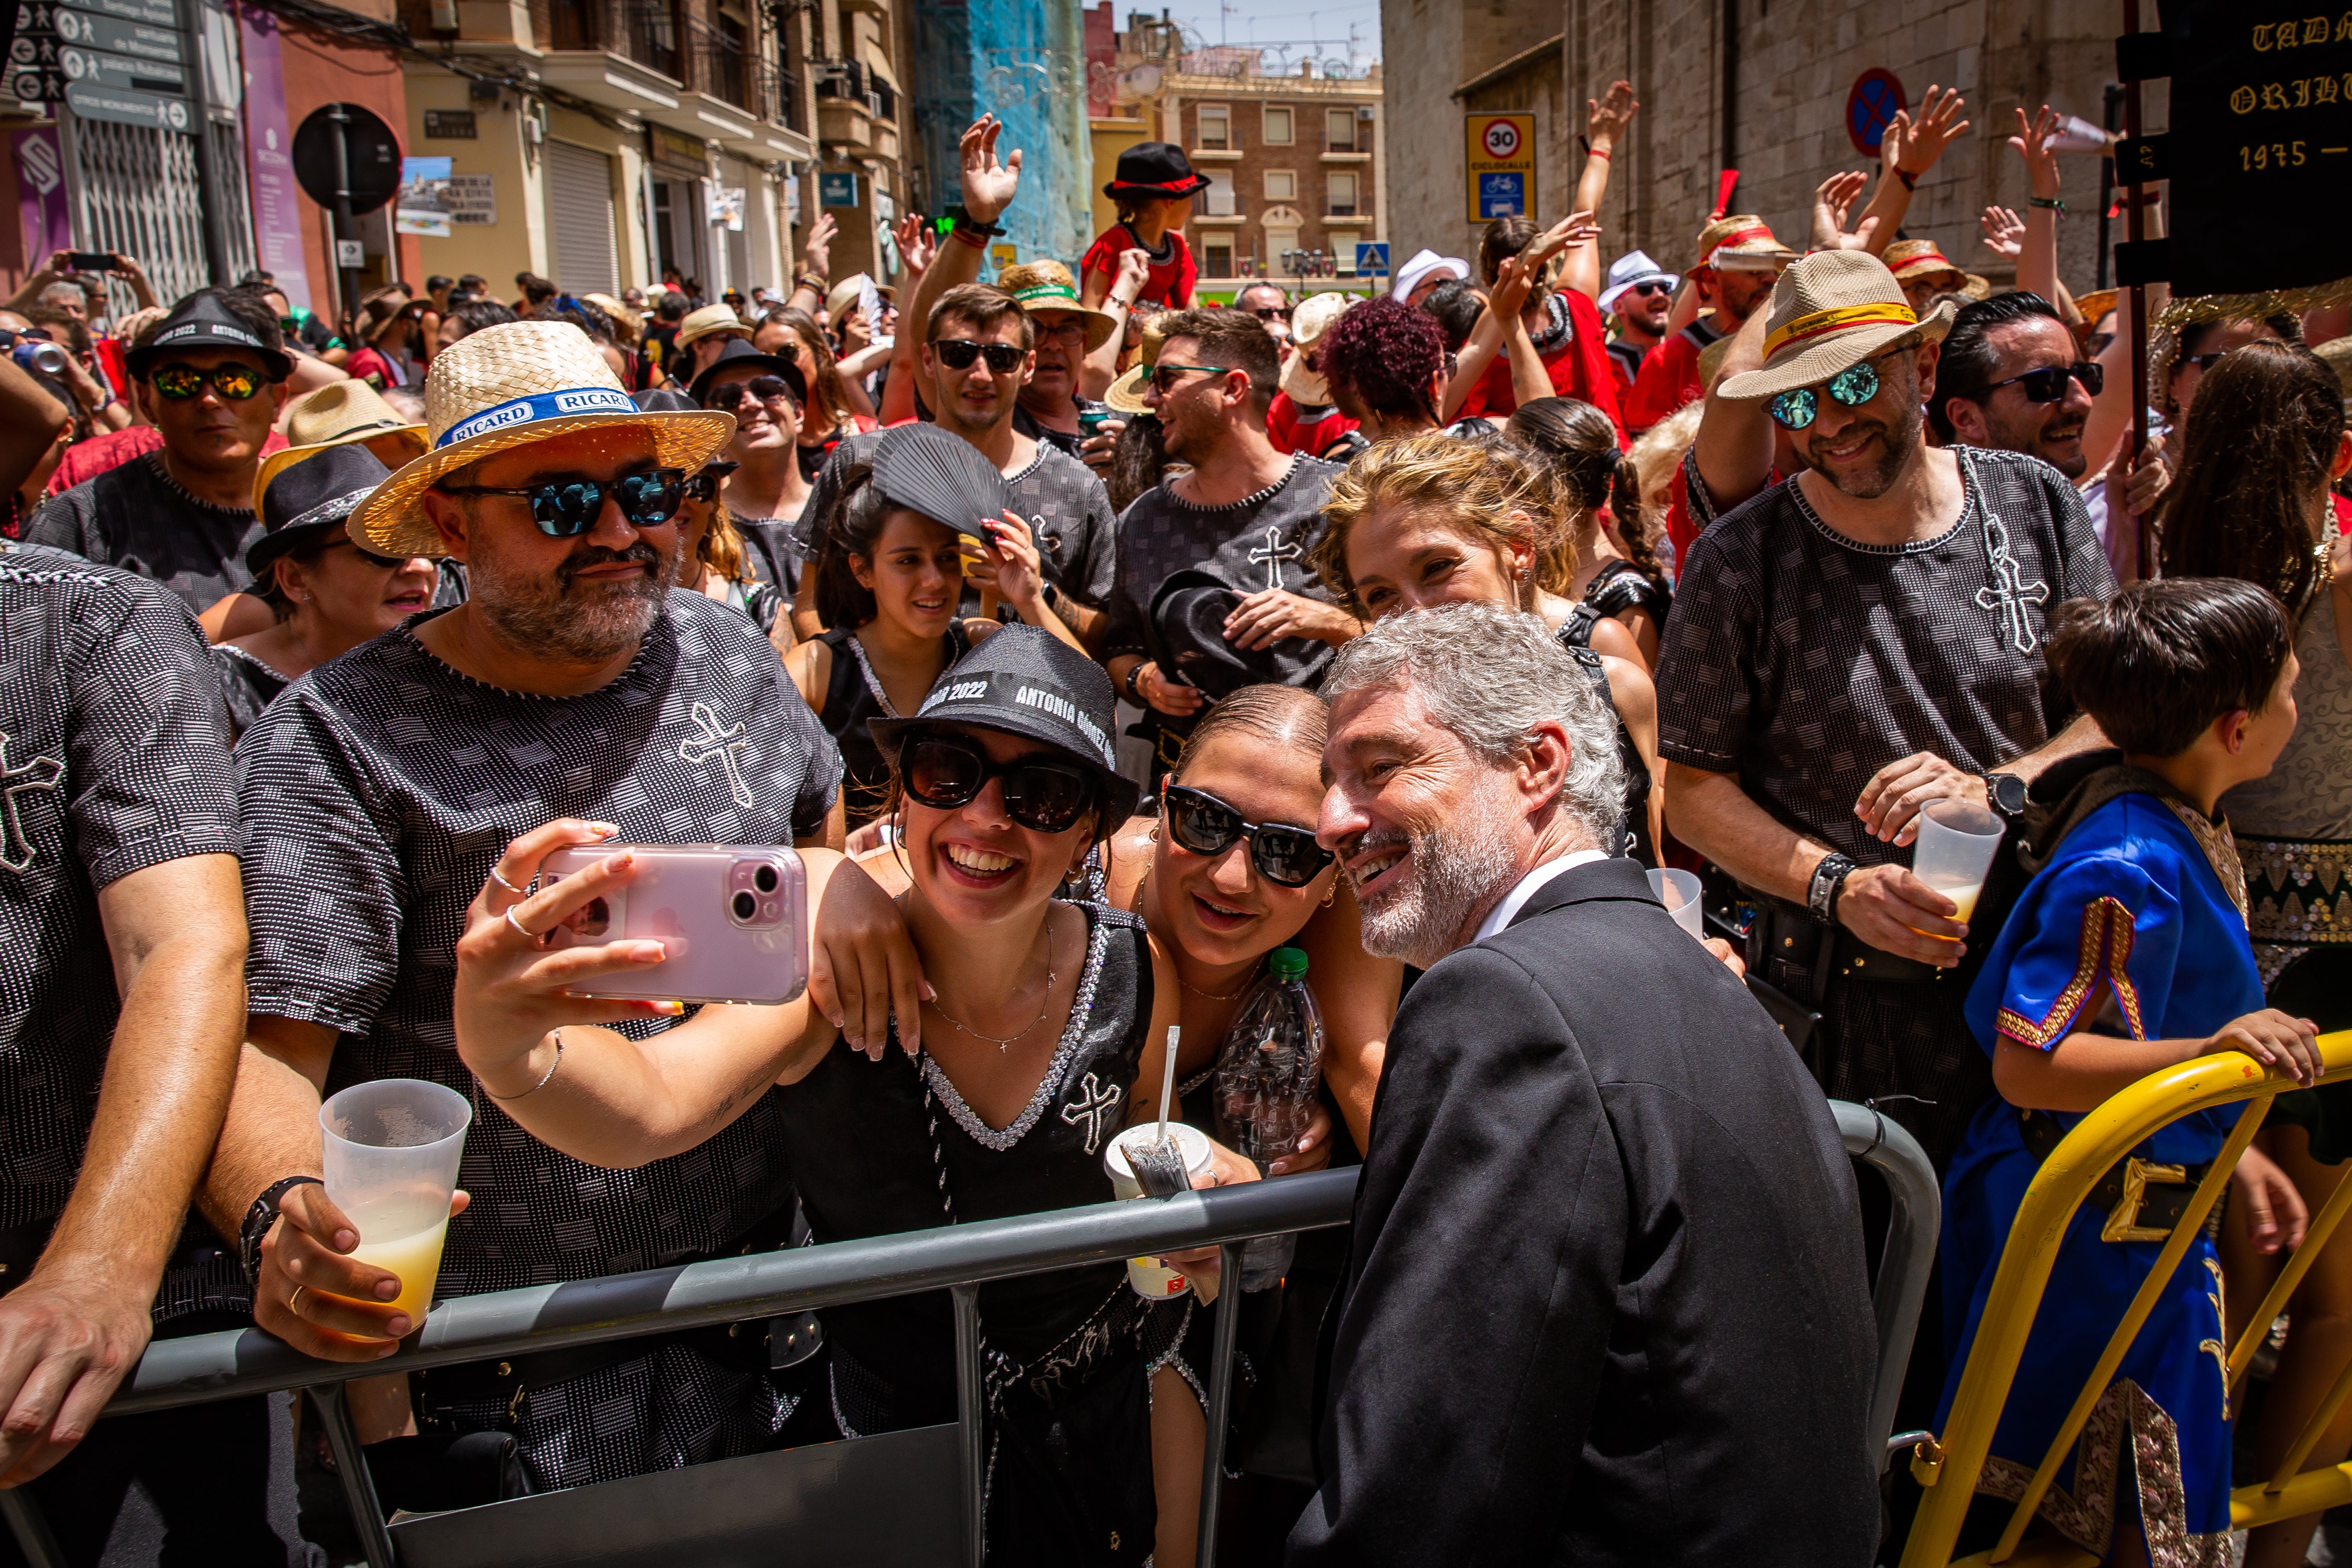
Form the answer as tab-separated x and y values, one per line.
853	695
878	1148
1637	842
1620	586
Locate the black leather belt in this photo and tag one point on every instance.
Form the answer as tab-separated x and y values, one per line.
2143	1200
1802	957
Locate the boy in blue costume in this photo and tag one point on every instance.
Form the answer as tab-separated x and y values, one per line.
2128	953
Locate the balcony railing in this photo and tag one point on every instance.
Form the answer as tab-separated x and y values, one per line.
651	37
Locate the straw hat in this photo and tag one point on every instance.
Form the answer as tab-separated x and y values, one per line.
511	385
1742	242
2094	305
709	319
1047	285
1308	324
1831	310
1921	260
1126	393
338	412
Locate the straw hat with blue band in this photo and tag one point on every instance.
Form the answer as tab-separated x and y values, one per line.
512	386
1828	312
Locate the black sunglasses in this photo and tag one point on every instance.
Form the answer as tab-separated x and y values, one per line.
564	507
382	563
2048	385
1202	823
1653	287
705	485
760	388
2205	361
1271	312
946	771
957	353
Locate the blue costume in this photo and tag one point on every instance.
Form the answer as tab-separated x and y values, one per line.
2136	928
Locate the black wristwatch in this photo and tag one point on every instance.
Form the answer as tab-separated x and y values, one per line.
259	1218
1829	879
2005	792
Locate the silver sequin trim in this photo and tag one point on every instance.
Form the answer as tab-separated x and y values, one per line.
872	685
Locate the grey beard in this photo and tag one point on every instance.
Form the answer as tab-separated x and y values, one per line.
1454	868
549	617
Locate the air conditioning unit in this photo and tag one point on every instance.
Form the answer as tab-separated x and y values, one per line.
1364	113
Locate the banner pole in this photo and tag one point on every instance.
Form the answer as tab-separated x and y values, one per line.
2135	228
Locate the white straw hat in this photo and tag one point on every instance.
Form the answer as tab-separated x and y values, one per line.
511	385
1308	324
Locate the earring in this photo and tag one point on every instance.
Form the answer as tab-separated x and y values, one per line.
1330	892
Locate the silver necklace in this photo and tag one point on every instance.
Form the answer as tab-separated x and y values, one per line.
1004	1043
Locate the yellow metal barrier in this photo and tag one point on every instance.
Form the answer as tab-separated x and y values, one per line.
1948	1468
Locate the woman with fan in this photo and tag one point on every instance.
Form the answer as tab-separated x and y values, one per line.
1044	1023
892	562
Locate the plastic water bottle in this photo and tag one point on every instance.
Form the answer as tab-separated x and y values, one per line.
1268	1073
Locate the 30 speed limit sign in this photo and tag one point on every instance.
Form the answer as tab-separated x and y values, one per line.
1500	165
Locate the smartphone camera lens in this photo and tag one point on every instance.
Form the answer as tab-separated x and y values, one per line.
764	879
745	906
769	912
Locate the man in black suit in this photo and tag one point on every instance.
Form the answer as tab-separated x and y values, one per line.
1607	1302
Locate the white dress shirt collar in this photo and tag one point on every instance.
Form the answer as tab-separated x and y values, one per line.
1507	909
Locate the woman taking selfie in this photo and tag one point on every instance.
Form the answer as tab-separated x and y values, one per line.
1046	1022
891	574
1430	520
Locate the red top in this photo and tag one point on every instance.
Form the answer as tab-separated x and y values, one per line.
2343	513
85	460
1170	283
1314	438
1580	368
1669	379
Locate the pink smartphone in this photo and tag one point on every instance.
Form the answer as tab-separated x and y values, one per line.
733	920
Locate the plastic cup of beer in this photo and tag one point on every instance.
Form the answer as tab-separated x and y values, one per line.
1954	849
392	1149
1678	891
1148	1277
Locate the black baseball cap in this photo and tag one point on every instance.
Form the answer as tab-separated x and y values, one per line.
200	320
1025	681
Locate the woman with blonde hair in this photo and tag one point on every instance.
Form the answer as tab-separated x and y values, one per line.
1431	520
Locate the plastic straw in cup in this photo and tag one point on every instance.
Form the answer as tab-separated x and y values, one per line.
1954	851
1678	891
391	1149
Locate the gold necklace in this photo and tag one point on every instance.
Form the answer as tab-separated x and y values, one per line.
1004	1043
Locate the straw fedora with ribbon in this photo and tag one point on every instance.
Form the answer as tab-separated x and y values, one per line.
1308	324
1742	242
702	324
1828	312
1126	393
1918	261
511	385
1046	286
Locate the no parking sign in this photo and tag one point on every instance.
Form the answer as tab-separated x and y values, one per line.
1871	108
1501	163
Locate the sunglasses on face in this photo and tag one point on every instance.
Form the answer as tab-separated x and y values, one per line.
381	563
566	507
181	382
1851	388
957	353
1646	289
760	388
1271	312
1164	374
2205	361
704	486
1205	825
2048	385
946	771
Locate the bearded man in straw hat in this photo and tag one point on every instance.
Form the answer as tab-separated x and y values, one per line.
381	790
1850	646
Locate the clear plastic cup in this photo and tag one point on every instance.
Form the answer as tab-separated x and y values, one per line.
1678	891
1954	851
391	1149
1148	1277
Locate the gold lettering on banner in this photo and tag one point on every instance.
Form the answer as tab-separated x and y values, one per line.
2241	101
2315	30
2323	89
2274	96
2343	28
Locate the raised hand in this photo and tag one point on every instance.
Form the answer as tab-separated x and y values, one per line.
816	255
1009	559
1134	275
2004	232
988	185
1831	201
1926	134
1607	117
918	245
2032	143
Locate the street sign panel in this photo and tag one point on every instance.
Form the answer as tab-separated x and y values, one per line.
102	69
835	190
89	30
1372	256
124	107
1500	164
147	13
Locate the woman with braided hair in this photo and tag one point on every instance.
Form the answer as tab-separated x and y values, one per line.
1602	558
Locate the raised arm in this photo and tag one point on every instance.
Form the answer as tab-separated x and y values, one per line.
1909	148
176	932
1605	119
816	263
2037	258
1735	437
1101	366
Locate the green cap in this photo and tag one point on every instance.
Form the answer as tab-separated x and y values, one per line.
1287	963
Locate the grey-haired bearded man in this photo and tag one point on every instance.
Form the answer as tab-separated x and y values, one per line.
1591	1144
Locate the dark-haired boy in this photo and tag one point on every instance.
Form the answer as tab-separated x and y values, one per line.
2127	954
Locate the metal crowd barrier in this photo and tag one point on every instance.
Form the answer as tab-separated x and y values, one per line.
1949	1467
862	1500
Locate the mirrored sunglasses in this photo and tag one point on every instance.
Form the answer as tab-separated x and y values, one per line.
1851	387
564	508
181	382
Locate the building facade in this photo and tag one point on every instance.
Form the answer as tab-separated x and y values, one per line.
1298	164
1760	86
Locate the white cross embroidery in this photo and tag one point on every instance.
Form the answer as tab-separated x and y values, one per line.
2009	593
712	740
1272	554
41	772
1100	1101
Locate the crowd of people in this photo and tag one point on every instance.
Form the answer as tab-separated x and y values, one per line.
1091	642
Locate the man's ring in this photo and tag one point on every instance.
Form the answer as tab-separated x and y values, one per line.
293	1303
510	887
527	936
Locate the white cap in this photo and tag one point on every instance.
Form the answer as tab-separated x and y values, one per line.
1634	267
1409	275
